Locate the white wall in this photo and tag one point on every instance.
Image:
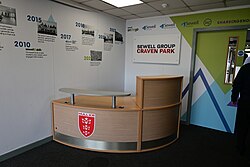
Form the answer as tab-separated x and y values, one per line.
136	69
28	85
71	70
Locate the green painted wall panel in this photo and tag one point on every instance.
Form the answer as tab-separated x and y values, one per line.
186	24
212	50
209	45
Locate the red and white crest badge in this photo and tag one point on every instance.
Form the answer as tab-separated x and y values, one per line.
86	123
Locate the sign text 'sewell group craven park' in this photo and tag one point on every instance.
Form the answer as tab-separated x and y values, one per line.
162	49
153	48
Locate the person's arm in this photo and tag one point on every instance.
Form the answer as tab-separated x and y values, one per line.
236	87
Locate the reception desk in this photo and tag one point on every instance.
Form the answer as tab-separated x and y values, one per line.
146	122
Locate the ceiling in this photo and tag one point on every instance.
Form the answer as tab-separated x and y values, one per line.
153	7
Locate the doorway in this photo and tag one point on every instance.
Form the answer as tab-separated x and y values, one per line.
214	59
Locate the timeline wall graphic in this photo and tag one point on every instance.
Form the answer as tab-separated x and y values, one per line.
45	46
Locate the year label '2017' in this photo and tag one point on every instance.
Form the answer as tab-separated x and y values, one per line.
65	36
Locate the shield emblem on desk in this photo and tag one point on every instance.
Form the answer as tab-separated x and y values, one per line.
86	123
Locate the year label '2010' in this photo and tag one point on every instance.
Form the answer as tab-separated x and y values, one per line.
22	44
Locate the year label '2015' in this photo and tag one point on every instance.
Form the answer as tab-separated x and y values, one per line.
34	18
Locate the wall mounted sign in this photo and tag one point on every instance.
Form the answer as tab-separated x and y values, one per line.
163	49
241	53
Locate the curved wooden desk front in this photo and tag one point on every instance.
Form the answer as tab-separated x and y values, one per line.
127	128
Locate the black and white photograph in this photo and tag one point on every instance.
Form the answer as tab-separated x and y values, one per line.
108	41
88	36
118	37
1	46
96	55
47	27
108	38
7	15
88	32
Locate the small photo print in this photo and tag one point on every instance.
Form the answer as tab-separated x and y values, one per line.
46	27
96	55
7	15
118	37
88	32
108	38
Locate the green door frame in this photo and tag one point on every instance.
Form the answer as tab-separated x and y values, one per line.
196	31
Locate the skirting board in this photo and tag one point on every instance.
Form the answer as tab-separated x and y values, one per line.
25	148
